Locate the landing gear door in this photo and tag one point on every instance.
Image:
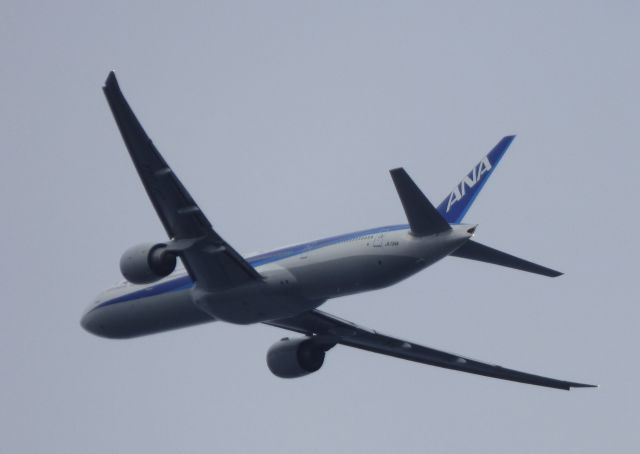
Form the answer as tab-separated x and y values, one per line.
377	242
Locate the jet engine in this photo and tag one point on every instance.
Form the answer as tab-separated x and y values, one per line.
146	263
292	358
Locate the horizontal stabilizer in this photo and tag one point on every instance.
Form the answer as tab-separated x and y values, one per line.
476	251
423	217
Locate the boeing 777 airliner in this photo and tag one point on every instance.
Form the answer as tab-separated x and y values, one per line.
285	287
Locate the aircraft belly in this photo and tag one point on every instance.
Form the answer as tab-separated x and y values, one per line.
347	269
144	316
264	301
353	274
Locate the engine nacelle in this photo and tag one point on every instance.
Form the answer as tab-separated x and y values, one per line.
292	358
146	263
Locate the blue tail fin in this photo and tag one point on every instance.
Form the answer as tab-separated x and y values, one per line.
457	203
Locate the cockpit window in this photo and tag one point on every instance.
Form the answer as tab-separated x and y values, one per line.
122	283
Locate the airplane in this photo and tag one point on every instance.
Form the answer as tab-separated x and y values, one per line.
284	287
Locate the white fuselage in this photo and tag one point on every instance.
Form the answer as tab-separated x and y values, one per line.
295	279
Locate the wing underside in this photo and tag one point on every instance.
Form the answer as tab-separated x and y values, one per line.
209	259
328	329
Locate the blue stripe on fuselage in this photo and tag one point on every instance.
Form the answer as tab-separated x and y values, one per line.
280	254
185	282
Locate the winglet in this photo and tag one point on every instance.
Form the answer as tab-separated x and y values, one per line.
423	218
454	207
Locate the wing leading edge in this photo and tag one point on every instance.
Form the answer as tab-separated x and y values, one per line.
328	328
209	260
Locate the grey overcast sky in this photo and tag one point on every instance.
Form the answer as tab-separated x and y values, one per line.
282	119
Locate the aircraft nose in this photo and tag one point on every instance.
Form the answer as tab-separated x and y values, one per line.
99	321
93	321
88	321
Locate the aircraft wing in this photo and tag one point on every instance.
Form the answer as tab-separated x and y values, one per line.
329	330
209	259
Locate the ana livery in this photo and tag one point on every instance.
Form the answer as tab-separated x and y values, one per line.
285	287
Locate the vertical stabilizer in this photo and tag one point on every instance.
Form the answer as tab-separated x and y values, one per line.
457	203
